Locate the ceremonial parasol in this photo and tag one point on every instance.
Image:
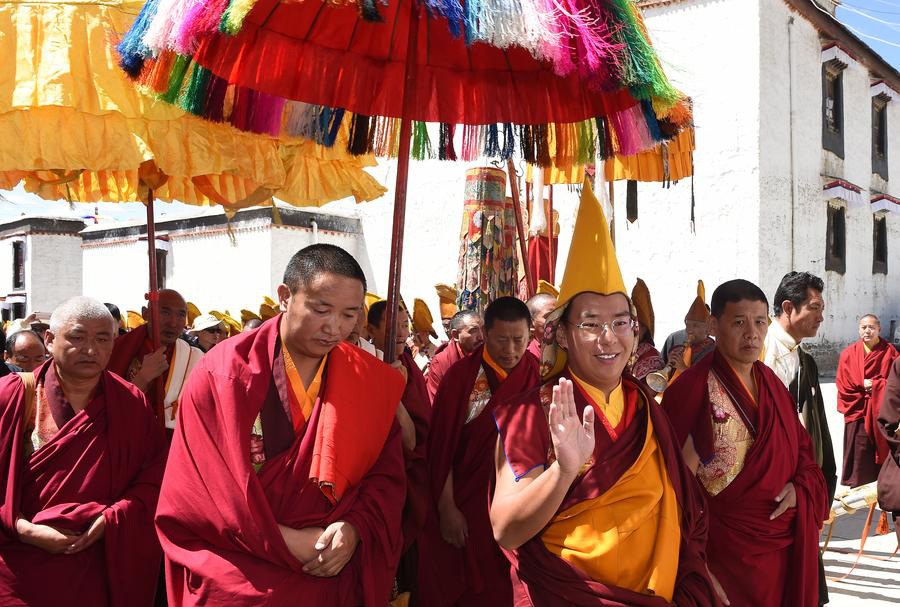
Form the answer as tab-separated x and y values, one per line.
74	127
504	71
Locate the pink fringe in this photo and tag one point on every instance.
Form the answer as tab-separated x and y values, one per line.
202	18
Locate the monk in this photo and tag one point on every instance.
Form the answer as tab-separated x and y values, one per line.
162	373
286	480
465	337
423	348
26	350
461	563
889	425
697	340
539	306
595	507
82	457
863	369
646	357
765	492
447	297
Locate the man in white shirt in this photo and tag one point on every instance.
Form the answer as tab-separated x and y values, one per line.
799	311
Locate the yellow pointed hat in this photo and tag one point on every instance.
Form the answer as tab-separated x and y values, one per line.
135	320
247	315
422	319
369	300
192	313
447	296
591	267
640	297
592	264
698	311
545	288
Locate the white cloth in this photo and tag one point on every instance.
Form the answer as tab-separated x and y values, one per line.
184	359
782	353
370	348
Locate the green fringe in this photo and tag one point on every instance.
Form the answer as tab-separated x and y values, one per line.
586	146
641	70
194	98
421	144
176	78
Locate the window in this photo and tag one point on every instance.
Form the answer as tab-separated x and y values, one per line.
879	245
833	109
18	311
835	246
18	265
160	268
879	137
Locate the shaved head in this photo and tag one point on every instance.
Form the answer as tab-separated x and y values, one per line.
870	317
78	309
172	316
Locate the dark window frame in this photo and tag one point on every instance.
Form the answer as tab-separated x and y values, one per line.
879	244
18	261
161	255
836	239
833	136
880	140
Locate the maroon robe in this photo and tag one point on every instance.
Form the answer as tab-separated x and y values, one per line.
477	574
541	578
758	561
440	364
418	405
864	446
133	347
106	459
218	518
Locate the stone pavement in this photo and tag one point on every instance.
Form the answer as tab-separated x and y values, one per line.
876	580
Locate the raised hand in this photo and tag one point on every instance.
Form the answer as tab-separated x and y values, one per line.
573	437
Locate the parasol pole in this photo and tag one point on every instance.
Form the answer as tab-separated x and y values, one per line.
153	298
520	228
396	262
552	269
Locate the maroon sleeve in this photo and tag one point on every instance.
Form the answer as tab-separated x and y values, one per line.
376	515
12	453
686	402
132	549
524	432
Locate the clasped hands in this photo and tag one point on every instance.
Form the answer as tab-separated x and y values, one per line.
60	541
323	552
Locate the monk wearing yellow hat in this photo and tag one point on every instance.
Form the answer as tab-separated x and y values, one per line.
422	321
447	296
596	507
646	358
697	342
249	320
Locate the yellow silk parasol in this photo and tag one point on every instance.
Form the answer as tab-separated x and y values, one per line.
72	126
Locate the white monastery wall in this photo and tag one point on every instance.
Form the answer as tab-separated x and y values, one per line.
799	239
117	273
53	270
709	50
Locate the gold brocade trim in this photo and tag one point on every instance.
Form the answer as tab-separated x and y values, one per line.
731	443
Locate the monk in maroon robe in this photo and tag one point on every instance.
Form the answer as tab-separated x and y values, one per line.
414	417
83	458
465	337
155	372
767	497
460	563
540	306
863	370
285	482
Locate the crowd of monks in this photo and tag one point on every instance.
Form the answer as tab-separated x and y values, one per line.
546	455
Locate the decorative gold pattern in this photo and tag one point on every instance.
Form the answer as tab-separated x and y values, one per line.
732	441
480	397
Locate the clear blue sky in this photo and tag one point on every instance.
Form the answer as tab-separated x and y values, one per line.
877	23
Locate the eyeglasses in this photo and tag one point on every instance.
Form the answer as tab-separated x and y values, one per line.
620	327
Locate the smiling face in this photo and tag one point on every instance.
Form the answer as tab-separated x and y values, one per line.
378	332
740	331
320	314
81	349
598	334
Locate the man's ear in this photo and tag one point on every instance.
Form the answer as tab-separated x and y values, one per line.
787	307
284	294
712	325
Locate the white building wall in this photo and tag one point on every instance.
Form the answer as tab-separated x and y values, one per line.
216	273
116	273
719	69
803	245
53	270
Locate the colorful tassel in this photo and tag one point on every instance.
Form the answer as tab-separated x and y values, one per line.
368	9
492	142
509	141
132	51
421	144
194	98
358	144
176	78
445	143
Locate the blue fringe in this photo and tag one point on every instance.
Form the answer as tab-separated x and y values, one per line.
329	125
492	142
509	142
452	11
132	51
470	20
652	123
